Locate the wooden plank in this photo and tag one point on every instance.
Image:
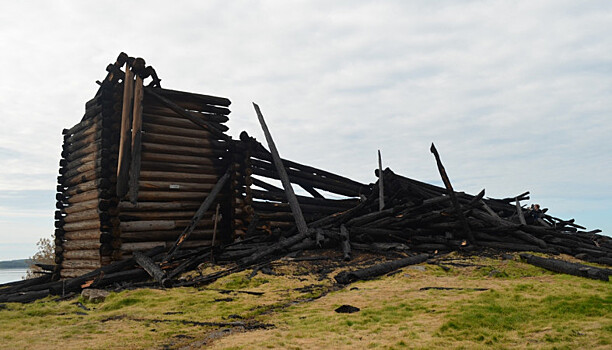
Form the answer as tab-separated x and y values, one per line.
519	212
181	111
381	185
199	214
123	163
136	140
451	193
280	168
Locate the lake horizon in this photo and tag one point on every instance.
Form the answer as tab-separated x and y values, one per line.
12	275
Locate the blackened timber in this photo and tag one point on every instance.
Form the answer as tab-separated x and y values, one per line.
299	179
275	196
184	105
451	193
305	168
136	145
183	141
149	265
91	204
266	186
196	132
123	164
204	99
152	175
174	185
181	111
347	277
170	235
284	207
273	249
199	213
174	158
315	179
345	243
177	121
156	215
182	150
158	206
517	247
180	168
168	224
366	218
280	168
519	212
311	190
167	112
381	186
567	267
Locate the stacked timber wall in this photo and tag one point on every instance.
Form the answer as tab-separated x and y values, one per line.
86	217
180	164
143	159
262	206
136	168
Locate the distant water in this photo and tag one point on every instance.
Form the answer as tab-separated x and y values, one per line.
11	275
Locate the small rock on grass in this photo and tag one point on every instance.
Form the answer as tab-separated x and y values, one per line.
347	309
94	295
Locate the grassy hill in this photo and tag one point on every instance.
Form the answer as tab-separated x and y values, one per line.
461	302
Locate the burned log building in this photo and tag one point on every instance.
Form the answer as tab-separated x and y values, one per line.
136	169
149	176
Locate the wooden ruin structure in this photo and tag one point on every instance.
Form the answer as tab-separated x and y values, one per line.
151	186
136	168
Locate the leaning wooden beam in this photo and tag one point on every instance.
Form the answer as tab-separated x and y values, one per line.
265	185
199	214
149	265
311	190
273	249
451	193
345	243
519	212
136	140
568	267
347	277
123	164
280	168
381	186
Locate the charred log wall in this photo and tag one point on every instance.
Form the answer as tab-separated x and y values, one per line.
136	168
86	218
263	207
180	164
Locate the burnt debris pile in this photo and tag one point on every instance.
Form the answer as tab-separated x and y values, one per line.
151	186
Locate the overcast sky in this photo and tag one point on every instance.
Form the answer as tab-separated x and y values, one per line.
516	95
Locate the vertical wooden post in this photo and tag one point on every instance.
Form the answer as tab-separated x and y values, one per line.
136	140
212	244
381	185
519	211
451	194
123	163
280	168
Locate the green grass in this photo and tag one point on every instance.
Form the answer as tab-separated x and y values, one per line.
523	307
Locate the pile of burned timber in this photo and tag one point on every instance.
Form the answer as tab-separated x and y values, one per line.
150	186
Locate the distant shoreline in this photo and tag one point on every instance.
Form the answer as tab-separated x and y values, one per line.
15	264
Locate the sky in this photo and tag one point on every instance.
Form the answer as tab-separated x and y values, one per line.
516	95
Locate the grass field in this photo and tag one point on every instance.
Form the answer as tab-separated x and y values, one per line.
488	303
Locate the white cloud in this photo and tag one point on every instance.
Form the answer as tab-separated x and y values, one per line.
516	95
